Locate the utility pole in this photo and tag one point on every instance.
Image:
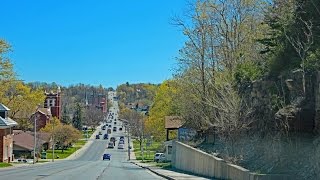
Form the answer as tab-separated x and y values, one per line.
128	142
35	135
53	144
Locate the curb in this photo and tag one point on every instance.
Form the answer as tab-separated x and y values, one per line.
159	174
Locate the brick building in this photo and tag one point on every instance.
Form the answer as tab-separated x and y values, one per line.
6	135
53	101
43	116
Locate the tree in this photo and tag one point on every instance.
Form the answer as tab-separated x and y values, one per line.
77	119
135	122
164	105
65	116
92	116
220	36
64	135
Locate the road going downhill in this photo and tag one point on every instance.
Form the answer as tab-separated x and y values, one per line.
89	164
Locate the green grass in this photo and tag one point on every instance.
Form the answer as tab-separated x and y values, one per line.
4	165
66	153
164	165
148	156
84	134
62	155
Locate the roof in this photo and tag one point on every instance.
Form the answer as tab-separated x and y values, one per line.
4	108
173	122
25	140
6	123
45	111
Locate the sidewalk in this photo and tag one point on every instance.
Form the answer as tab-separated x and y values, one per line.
165	173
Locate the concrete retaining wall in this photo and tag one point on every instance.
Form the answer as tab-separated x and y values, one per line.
189	159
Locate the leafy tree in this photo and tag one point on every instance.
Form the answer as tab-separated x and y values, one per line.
164	105
65	116
78	117
63	134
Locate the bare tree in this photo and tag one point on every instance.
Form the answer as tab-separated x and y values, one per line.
136	123
93	116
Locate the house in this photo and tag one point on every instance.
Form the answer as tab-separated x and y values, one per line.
6	135
53	102
23	144
43	116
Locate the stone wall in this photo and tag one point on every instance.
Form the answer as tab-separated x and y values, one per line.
282	101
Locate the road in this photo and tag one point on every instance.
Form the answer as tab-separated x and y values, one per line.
88	166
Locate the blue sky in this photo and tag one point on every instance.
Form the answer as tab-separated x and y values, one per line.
106	42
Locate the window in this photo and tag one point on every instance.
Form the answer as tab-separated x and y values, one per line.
169	149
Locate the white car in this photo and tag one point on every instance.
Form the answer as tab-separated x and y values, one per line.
158	157
120	146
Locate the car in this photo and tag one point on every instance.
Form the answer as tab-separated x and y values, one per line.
115	122
157	156
100	133
121	137
103	127
105	136
114	128
110	145
121	141
109	126
120	128
120	146
97	136
106	156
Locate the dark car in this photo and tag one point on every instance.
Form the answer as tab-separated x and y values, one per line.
103	127
109	126
97	136
106	156
121	137
112	139
120	128
114	128
105	136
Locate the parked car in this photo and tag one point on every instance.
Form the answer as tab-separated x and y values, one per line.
103	127
100	133
110	145
115	122
106	156
157	157
97	136
120	128
105	136
121	141
109	126
121	137
114	129
120	146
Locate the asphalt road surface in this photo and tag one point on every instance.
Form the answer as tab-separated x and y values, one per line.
88	166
